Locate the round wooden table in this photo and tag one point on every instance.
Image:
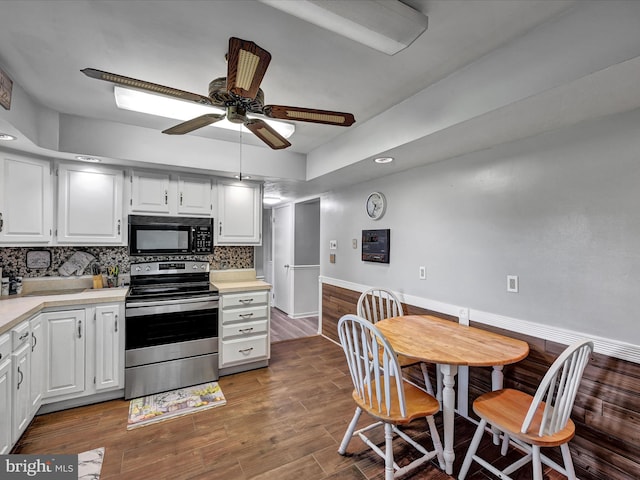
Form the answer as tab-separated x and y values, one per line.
449	344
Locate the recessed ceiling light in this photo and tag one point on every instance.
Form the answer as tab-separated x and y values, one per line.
271	200
7	137
383	159
86	158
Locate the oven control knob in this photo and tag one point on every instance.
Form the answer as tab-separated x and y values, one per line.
203	266
195	267
147	268
138	269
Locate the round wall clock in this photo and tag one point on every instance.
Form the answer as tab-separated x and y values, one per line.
376	205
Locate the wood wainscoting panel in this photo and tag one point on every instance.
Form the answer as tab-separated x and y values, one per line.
607	407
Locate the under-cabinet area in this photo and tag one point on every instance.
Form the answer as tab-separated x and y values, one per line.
47	202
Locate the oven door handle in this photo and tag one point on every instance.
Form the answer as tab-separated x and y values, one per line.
156	308
209	300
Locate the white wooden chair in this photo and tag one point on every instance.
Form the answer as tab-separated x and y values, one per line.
377	304
531	423
382	393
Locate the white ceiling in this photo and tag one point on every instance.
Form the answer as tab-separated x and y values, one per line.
44	44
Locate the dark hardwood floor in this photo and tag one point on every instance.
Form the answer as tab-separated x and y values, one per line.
282	422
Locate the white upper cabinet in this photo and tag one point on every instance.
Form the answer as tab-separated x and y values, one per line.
167	194
26	200
194	195
149	192
90	205
239	213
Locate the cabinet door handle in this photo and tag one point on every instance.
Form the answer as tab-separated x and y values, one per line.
166	197
79	328
35	341
116	324
220	229
1	222
180	198
119	226
21	378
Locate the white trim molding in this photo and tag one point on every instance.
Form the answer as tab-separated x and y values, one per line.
605	346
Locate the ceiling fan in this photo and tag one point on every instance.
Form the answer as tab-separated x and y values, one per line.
238	93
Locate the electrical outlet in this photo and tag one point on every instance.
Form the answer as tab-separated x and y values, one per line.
333	244
512	283
422	273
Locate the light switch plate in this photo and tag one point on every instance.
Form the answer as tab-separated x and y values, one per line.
333	244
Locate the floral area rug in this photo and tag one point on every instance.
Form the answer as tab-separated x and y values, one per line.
90	464
164	406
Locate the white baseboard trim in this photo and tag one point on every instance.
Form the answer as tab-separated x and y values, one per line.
605	346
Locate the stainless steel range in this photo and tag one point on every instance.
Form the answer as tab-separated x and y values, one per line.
171	327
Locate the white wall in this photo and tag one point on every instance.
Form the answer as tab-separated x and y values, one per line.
560	210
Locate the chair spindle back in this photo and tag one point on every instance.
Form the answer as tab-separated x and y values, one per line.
373	365
377	304
558	389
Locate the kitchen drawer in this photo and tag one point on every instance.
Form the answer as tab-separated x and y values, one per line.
244	299
244	314
5	346
244	350
20	335
244	329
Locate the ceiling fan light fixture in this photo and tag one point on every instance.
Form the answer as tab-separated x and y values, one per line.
159	105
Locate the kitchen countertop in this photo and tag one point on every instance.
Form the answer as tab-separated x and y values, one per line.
241	286
237	280
15	308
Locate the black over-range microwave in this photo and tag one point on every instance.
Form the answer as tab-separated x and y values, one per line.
151	235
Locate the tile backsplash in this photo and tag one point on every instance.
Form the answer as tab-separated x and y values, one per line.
13	259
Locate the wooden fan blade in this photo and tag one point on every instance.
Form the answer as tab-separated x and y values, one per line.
143	85
194	124
268	135
309	115
246	66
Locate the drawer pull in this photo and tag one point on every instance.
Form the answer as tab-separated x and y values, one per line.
246	315
245	300
245	330
23	336
246	351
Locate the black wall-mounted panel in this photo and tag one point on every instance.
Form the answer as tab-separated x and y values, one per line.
376	245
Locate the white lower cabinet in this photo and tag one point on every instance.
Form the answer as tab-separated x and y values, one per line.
109	347
84	351
244	329
6	392
37	368
65	334
21	366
